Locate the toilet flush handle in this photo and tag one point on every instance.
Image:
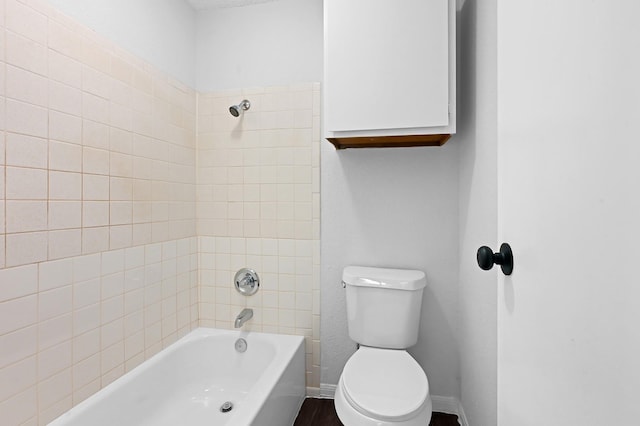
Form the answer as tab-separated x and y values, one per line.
487	258
344	285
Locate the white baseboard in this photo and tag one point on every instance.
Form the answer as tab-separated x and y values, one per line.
462	418
327	391
445	404
441	404
449	405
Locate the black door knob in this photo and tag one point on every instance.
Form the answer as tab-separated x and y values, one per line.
487	258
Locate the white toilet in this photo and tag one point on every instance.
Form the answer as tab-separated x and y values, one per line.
382	384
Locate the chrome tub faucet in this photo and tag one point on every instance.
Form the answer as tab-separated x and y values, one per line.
243	317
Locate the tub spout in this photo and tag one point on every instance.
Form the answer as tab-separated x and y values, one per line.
243	317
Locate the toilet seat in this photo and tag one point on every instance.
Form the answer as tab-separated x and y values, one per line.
384	384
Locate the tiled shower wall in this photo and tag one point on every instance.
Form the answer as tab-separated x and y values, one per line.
99	149
98	246
258	206
98	263
69	327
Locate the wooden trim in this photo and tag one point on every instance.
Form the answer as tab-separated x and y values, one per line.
389	141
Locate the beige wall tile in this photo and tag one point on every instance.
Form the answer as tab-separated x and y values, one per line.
65	185
64	69
120	212
95	134
26	86
84	346
120	236
55	388
87	267
2	249
20	407
27	119
121	93
65	98
95	108
24	183
120	165
55	274
25	53
86	319
65	243
95	161
95	240
120	140
96	82
142	123
24	343
65	156
64	40
86	371
55	359
54	303
18	282
95	213
121	189
26	151
142	233
26	21
25	248
18	313
65	214
95	187
120	116
52	412
18	377
95	54
86	293
65	127
26	216
2	140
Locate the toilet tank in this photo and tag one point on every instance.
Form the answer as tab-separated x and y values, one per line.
383	305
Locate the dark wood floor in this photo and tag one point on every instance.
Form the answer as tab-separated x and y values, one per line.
320	412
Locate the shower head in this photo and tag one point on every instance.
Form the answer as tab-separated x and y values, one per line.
235	110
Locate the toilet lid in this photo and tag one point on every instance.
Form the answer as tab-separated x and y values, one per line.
385	384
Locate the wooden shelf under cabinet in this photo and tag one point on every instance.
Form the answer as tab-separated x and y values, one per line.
389	141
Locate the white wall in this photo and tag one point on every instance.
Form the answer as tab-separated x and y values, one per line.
160	32
396	208
276	43
477	138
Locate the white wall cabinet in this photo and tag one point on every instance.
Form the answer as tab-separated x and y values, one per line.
389	72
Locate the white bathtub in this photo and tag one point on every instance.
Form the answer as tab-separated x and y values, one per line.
187	383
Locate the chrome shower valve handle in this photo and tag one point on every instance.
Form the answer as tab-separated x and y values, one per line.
247	281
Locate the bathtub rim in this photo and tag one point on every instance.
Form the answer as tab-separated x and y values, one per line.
290	344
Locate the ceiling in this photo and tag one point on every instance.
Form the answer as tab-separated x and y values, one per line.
218	4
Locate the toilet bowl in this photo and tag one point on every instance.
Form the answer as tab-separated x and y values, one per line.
381	384
383	387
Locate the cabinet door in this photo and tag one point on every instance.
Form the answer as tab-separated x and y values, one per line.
387	64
